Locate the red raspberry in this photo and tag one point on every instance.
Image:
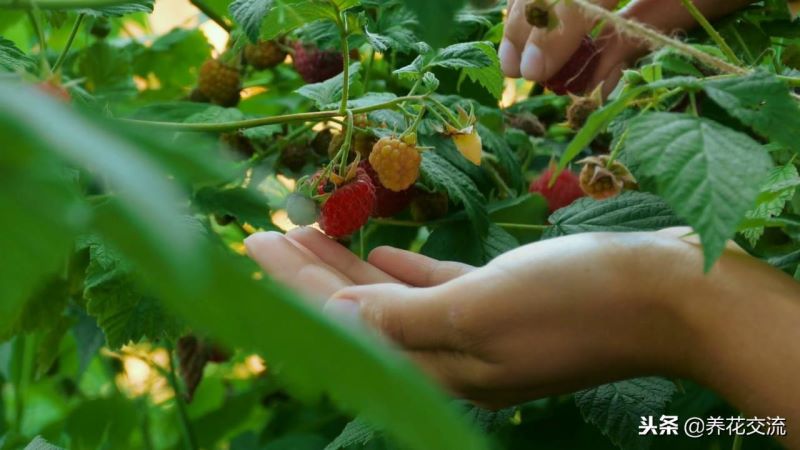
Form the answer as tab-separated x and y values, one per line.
264	55
220	83
575	75
566	189
315	65
349	206
387	202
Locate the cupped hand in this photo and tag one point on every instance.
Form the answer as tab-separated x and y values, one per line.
545	318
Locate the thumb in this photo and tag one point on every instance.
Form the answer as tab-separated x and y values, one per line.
414	318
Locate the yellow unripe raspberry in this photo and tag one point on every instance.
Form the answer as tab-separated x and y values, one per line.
396	162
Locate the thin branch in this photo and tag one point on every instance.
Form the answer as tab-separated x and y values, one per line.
211	14
68	45
251	123
712	32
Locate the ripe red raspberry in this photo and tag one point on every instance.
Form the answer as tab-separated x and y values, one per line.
387	203
396	162
264	55
575	75
349	206
566	189
315	65
220	83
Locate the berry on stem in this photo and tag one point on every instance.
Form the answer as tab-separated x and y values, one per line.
566	189
220	83
396	163
428	206
315	65
601	180
264	55
349	205
388	203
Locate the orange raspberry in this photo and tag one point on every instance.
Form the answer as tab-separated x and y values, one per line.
396	162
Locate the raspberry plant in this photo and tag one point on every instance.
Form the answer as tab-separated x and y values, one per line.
134	163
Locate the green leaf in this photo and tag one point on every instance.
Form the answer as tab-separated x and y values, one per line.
459	242
287	15
250	14
436	18
38	443
99	421
246	205
357	432
132	6
123	310
709	174
107	70
464	55
629	211
330	91
12	58
761	101
779	188
490	77
441	174
617	408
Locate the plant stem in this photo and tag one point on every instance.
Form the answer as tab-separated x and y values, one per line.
655	39
344	152
415	124
252	123
523	226
693	103
189	441
345	71
712	33
211	14
368	70
37	28
70	40
617	148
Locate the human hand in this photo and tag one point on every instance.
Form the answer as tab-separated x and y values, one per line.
538	54
548	317
566	313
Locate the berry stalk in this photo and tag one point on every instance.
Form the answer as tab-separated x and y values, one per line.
70	40
270	120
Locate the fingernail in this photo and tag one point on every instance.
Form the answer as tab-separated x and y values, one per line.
343	310
251	242
509	58
532	64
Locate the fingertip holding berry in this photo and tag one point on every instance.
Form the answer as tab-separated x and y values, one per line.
575	75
